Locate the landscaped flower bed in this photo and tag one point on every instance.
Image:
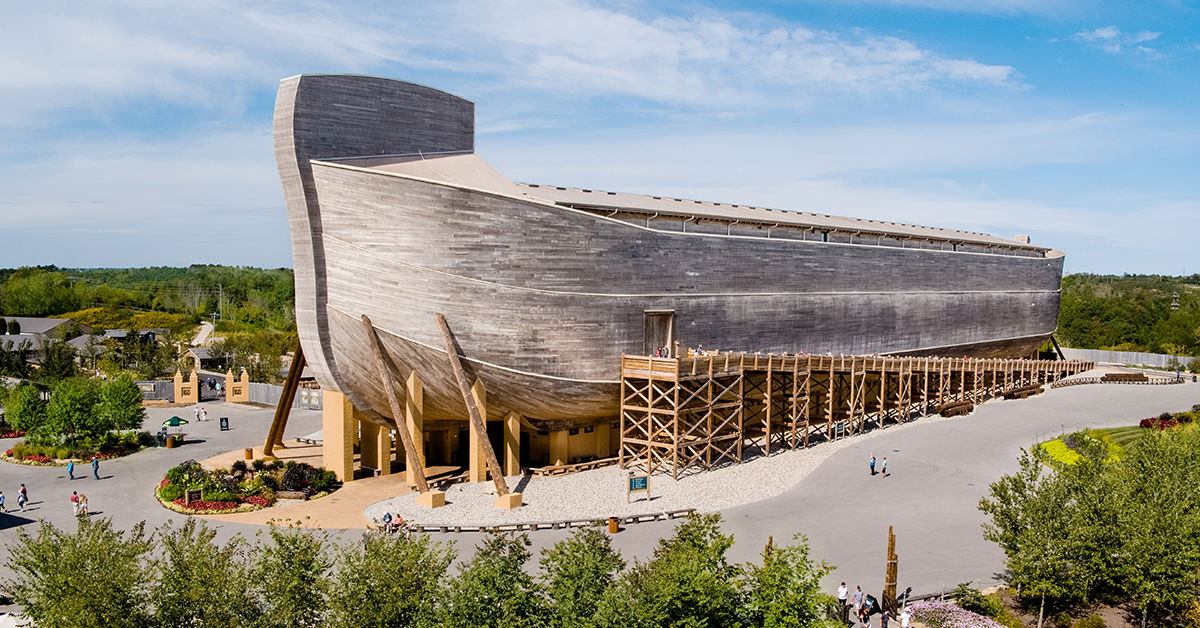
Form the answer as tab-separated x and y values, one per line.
240	489
12	434
112	445
35	460
939	614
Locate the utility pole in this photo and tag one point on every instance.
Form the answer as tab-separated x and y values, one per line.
221	301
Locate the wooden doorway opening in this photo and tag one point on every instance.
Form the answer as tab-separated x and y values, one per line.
659	331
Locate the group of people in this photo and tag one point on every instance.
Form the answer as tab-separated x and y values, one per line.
882	466
79	504
865	605
22	499
201	413
71	469
395	525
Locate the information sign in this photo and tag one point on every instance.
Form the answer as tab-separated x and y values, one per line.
193	495
224	423
637	483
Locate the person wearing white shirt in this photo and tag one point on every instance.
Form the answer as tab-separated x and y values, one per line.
905	618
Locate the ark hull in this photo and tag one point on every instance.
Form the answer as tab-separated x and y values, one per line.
544	298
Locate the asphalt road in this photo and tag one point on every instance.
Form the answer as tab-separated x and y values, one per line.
940	468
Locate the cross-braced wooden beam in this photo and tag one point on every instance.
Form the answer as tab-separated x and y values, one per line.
477	421
387	379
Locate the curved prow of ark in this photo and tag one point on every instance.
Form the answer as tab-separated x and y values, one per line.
332	117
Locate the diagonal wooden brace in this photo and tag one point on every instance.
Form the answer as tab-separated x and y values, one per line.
284	407
387	379
489	454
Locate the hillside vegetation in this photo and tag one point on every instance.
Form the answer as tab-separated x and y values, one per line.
246	299
1131	313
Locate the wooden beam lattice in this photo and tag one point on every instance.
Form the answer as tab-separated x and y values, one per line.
687	414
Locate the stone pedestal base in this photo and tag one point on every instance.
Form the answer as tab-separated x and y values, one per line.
432	499
510	501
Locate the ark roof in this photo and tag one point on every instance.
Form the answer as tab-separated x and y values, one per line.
465	169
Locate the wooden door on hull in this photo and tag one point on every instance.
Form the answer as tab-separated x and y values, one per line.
659	329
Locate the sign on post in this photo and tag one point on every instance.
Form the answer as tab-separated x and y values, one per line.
224	423
193	495
637	483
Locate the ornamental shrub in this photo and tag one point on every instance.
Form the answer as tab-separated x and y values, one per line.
1091	621
324	480
1060	452
171	492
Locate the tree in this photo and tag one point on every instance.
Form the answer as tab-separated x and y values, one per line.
120	404
688	582
14	327
1029	517
14	358
199	582
90	578
786	589
293	574
387	581
24	408
71	412
58	361
492	589
576	573
1159	528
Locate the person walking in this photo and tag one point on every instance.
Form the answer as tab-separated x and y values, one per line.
842	591
858	592
71	470
2	508
96	466
883	467
905	618
75	503
883	619
872	464
203	413
83	506
196	412
22	497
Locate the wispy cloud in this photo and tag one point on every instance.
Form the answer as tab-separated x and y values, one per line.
92	57
1112	40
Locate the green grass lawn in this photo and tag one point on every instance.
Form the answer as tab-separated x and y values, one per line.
1118	438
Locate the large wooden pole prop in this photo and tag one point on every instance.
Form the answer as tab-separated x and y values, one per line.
890	575
415	467
489	454
284	408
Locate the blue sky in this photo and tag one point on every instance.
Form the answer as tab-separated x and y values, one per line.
138	133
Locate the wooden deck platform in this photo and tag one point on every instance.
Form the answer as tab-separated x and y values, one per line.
695	413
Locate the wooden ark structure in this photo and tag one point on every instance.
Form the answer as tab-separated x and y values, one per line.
394	217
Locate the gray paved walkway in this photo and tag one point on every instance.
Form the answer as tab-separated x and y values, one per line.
940	469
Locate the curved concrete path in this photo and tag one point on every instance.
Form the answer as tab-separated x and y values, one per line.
940	469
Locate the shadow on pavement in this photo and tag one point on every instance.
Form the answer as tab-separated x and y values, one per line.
10	520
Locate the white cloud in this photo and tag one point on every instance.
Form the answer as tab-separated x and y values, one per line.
93	57
1112	40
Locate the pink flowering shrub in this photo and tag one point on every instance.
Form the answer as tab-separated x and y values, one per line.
206	505
257	500
939	614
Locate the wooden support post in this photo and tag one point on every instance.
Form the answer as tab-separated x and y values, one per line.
559	447
284	408
337	434
477	421
414	424
386	380
375	448
477	470
512	443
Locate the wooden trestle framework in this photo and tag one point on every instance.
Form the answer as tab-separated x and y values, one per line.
696	413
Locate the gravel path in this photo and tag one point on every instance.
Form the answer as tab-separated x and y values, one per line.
601	493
